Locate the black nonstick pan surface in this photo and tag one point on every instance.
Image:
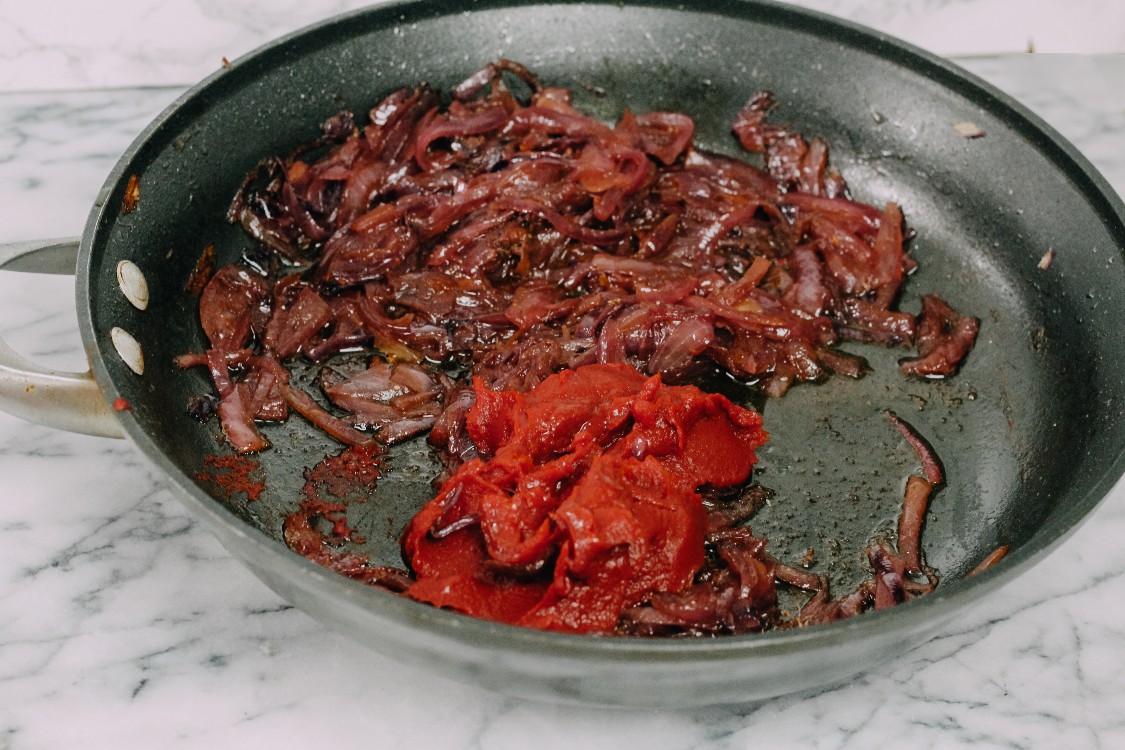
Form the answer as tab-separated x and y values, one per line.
1030	430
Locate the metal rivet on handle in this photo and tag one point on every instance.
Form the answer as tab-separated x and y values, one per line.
133	284
128	349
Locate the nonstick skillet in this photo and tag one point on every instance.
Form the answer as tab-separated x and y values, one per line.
1030	430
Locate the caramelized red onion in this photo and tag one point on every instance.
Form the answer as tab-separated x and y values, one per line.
991	559
524	237
944	339
910	522
509	238
931	465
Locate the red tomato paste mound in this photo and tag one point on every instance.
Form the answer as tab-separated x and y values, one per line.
584	502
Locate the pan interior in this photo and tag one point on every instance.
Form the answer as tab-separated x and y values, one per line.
1025	430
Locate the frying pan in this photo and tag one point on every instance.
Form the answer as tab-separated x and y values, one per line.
1031	429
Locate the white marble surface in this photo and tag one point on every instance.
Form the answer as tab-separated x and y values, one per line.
123	624
79	44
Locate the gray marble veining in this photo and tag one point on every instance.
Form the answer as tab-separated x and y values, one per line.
155	42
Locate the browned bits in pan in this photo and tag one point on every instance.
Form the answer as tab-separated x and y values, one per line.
132	195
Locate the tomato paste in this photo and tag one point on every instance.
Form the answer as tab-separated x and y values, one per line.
584	500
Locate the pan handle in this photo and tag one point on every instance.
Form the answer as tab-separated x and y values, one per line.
69	401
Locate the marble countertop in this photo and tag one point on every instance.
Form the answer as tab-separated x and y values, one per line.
124	624
154	42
